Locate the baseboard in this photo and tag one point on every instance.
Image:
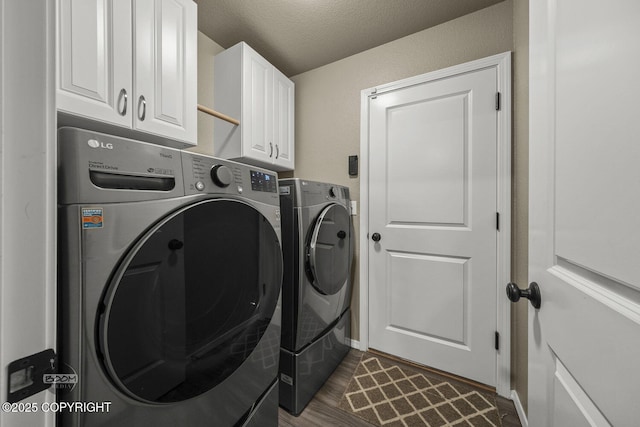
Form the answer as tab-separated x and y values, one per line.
355	344
519	409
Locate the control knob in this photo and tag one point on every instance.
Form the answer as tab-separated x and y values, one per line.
221	175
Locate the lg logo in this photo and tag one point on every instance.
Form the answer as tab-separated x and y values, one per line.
97	144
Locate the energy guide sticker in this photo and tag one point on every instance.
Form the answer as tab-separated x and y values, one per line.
92	218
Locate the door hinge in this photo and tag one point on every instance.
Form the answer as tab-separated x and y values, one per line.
30	375
497	340
498	221
497	101
373	94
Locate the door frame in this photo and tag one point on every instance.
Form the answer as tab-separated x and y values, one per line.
502	63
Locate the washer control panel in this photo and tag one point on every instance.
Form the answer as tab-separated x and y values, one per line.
221	175
206	174
261	181
210	175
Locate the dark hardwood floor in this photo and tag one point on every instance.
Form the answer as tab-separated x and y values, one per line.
322	411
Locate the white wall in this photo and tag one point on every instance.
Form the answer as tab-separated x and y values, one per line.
27	191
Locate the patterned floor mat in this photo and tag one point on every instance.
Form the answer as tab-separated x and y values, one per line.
385	394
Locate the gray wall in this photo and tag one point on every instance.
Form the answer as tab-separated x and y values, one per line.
328	118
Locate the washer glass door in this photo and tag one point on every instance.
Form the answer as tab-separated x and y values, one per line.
190	301
329	252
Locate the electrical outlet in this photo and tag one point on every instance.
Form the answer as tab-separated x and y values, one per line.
354	207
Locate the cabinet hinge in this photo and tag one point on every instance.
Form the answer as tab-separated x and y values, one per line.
497	101
497	340
30	375
498	221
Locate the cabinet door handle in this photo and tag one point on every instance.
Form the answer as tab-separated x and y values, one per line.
123	95
270	149
277	151
142	108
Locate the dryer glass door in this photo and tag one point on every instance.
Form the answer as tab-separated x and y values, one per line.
191	301
329	252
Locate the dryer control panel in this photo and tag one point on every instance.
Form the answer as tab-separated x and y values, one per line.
312	193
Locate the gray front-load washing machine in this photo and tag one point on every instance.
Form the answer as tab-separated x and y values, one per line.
170	277
317	245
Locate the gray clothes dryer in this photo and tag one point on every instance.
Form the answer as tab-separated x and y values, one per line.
170	277
317	249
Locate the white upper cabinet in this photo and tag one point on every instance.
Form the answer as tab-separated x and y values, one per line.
165	68
94	59
130	63
256	93
283	115
249	88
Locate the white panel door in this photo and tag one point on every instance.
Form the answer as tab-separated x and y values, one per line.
283	120
94	59
433	202
584	341
166	68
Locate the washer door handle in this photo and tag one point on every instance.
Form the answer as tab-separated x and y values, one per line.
175	244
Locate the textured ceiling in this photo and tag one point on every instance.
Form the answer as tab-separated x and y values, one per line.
300	35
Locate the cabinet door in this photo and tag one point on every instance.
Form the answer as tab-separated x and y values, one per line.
165	72
283	133
257	107
94	59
